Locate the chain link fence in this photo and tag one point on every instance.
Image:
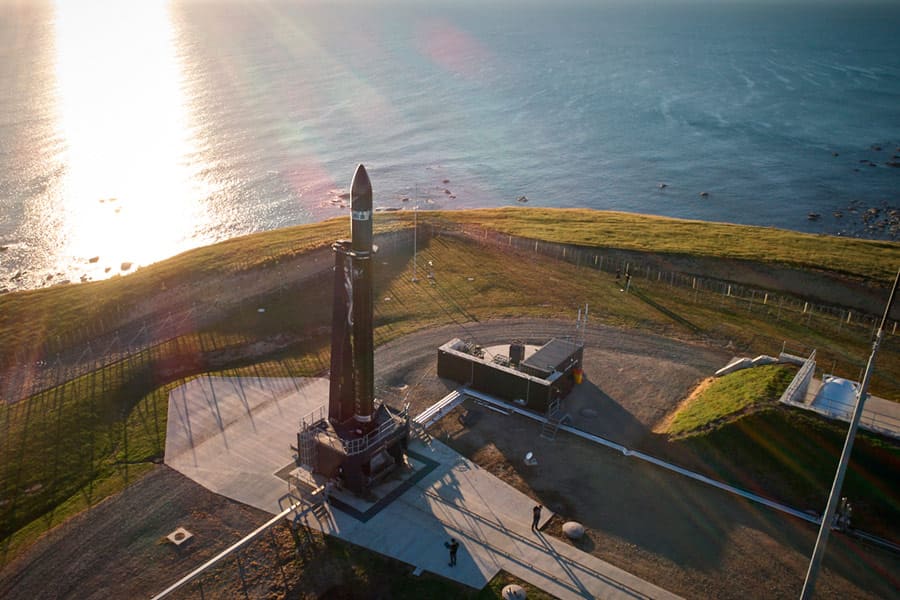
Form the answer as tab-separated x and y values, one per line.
105	342
821	317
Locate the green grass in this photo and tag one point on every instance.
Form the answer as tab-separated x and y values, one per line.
628	231
33	319
88	436
762	330
728	397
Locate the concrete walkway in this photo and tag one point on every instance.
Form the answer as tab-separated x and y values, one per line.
233	436
492	520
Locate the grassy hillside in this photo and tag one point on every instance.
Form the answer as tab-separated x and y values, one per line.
606	229
31	317
730	396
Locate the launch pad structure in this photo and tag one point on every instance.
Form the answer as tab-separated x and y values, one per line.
230	435
360	440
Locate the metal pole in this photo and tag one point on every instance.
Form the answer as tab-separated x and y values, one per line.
415	235
825	527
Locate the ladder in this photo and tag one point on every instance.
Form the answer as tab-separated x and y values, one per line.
307	441
420	432
555	418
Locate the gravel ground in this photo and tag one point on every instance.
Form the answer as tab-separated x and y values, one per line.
117	549
691	539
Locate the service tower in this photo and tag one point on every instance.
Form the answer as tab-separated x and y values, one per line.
362	440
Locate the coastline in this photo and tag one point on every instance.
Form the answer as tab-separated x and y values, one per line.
23	280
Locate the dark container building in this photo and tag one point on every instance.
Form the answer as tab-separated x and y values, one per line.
533	380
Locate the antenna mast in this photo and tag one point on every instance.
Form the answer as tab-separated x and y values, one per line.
581	324
415	277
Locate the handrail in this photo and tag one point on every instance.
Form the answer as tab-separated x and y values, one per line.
360	445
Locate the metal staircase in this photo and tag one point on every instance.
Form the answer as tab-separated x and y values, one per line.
420	432
310	425
307	450
555	418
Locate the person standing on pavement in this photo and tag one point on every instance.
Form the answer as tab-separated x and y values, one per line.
454	546
537	517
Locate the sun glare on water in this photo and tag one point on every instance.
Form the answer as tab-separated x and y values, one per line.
129	194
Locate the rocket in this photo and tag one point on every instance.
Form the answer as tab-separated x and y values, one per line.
361	211
352	388
363	440
363	251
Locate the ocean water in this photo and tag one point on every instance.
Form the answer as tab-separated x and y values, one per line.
132	131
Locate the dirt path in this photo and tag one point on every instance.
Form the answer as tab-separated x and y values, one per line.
633	379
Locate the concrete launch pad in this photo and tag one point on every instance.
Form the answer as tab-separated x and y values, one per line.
234	436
